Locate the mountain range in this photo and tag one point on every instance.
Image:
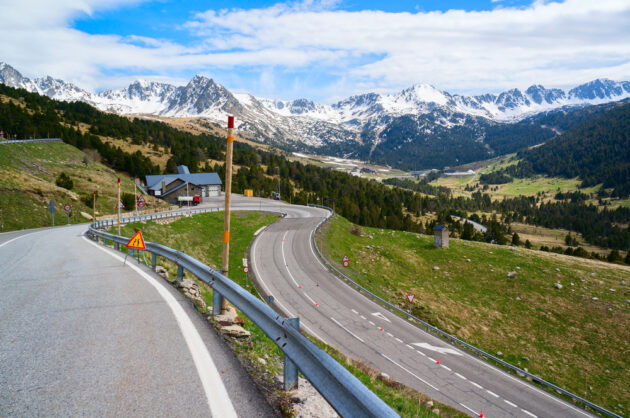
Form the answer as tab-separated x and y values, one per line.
419	127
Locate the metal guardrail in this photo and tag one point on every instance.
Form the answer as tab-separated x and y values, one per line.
26	141
341	389
430	328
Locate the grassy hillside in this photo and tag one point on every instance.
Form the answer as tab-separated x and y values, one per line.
556	333
27	184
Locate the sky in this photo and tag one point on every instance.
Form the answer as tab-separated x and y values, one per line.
322	50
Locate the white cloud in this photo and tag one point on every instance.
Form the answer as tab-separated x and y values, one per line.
554	44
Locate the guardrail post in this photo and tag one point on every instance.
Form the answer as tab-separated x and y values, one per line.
217	300
153	261
180	272
117	246
290	368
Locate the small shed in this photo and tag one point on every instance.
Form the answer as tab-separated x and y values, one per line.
440	233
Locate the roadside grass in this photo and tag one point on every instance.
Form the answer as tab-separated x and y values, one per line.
201	236
27	184
557	334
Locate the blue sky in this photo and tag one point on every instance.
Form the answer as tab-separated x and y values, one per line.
323	50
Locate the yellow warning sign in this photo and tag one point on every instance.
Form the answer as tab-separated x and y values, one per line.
136	242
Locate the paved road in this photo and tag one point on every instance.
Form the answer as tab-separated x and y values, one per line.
285	265
83	335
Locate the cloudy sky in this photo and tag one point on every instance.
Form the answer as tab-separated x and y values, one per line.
320	49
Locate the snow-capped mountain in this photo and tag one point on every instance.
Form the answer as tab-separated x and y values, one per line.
420	112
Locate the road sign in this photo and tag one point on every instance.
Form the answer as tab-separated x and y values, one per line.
346	263
120	205
345	258
245	269
51	207
67	208
141	199
140	205
136	242
410	297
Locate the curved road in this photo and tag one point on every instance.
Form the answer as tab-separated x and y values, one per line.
81	334
285	265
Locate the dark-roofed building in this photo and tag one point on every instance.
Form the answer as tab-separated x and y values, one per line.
440	233
171	186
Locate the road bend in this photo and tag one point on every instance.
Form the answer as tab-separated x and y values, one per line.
82	334
285	265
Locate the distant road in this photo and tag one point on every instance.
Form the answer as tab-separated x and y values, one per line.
83	335
475	225
285	265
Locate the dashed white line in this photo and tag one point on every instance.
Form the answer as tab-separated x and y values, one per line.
354	311
447	368
460	376
492	393
309	298
510	403
432	359
410	346
419	378
529	413
399	340
362	317
476	384
372	323
347	330
474	412
389	334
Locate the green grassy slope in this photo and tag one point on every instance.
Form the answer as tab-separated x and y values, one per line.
555	333
27	184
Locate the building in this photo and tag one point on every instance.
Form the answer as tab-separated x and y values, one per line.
440	233
170	187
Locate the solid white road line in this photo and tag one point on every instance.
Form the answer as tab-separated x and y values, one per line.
17	238
310	242
419	378
529	413
476	414
217	396
284	260
510	403
347	330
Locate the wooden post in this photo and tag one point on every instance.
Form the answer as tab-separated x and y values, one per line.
228	200
118	205
94	206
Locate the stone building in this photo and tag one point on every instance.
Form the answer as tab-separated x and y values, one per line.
440	233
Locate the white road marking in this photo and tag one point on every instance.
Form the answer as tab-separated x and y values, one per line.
421	353
284	308
492	393
419	378
309	298
354	311
529	413
362	317
347	330
389	334
510	403
447	368
217	396
460	376
380	316
17	238
399	340
443	350
284	260
432	359
260	230
477	385
310	242
410	346
474	412
372	323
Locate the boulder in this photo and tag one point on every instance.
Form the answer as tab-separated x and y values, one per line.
436	268
511	274
235	331
161	271
558	286
429	404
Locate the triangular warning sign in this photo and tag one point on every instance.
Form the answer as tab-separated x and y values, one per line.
136	242
410	298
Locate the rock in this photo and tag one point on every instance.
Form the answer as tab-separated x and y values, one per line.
593	274
546	271
499	354
235	331
466	244
518	298
225	319
518	268
371	236
558	286
627	300
525	359
623	282
86	215
572	284
519	374
595	298
557	269
383	376
511	274
436	411
262	361
429	404
468	260
612	290
161	271
186	284
436	268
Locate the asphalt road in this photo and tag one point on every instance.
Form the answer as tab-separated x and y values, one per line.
81	334
284	264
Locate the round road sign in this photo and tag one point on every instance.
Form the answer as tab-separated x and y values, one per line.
245	269
346	263
140	205
67	207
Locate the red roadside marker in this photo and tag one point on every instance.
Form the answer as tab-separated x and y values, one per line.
380	328
481	415
316	304
438	361
300	286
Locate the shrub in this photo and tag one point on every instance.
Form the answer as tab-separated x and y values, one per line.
129	201
64	181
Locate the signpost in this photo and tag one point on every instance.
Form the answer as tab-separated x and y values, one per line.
410	299
1	220
67	208
345	261
245	270
51	208
136	243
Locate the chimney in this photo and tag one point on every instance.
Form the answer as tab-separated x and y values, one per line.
163	187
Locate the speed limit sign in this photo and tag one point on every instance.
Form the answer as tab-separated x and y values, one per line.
245	269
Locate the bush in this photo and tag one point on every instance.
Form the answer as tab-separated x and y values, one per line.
129	201
64	181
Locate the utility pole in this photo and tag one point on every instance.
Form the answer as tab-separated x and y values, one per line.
118	205
1	220
228	199
94	206
135	197
278	170
187	195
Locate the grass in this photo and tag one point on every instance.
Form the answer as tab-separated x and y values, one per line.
555	333
27	184
201	236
